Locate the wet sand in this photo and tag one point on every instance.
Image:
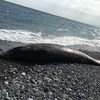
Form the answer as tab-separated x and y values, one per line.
57	81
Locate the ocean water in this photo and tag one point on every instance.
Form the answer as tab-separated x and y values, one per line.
21	24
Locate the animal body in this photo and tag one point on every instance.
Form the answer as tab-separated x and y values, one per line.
48	53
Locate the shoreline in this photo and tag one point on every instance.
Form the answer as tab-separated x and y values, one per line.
6	45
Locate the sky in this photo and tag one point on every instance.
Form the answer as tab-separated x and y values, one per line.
86	11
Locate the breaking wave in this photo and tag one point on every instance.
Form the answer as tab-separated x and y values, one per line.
32	37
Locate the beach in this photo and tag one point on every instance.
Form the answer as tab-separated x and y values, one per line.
19	26
57	81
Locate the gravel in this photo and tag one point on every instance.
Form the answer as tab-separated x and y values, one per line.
49	82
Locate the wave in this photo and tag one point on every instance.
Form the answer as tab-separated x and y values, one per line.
31	37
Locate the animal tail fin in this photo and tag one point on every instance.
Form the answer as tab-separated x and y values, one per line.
94	61
97	62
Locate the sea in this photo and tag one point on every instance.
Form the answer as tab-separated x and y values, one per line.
22	24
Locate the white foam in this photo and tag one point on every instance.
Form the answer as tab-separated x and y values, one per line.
30	37
63	29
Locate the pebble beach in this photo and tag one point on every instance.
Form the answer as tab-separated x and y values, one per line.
57	81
